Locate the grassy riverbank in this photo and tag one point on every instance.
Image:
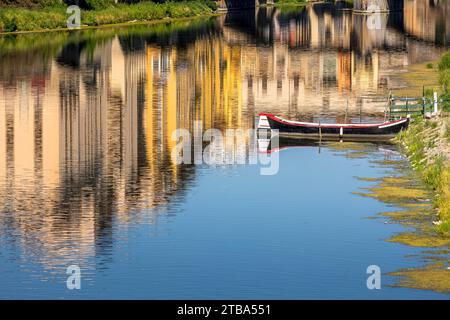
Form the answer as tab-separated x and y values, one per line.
290	2
427	144
54	16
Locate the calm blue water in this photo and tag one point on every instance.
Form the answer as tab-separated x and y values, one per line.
300	234
87	178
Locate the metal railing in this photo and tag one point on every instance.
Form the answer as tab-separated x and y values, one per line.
400	107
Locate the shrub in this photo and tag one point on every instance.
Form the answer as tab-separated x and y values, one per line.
444	79
25	19
445	98
99	4
31	3
211	4
444	72
444	64
106	12
289	1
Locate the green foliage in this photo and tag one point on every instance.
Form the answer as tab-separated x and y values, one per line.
444	228
99	4
445	101
429	65
428	92
144	11
31	3
174	10
124	13
211	4
445	62
24	19
91	4
101	12
51	3
444	72
290	1
444	79
419	139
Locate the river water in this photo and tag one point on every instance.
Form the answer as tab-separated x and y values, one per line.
87	177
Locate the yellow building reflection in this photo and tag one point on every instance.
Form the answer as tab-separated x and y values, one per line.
86	135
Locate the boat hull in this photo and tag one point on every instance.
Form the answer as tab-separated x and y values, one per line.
380	131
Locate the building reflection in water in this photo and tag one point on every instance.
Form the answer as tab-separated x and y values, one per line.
85	134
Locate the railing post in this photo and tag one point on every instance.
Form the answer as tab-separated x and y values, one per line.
406	106
435	96
423	105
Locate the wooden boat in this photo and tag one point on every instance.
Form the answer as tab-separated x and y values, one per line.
332	131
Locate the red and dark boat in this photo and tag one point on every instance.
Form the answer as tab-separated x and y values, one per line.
369	131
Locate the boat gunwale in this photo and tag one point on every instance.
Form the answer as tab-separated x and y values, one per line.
333	125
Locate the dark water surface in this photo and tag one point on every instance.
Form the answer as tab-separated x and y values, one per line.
87	178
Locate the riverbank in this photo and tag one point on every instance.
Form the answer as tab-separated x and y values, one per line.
54	17
289	2
427	145
427	141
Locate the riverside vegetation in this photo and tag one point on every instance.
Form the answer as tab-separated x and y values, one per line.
427	144
33	15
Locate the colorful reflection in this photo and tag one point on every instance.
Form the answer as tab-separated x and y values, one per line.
86	119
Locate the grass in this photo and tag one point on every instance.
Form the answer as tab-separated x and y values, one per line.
445	102
427	142
289	2
55	17
21	19
444	80
427	145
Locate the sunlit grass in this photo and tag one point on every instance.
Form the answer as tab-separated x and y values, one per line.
21	19
290	1
428	149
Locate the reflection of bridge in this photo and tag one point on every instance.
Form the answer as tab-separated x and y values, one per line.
328	25
230	4
359	5
387	5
